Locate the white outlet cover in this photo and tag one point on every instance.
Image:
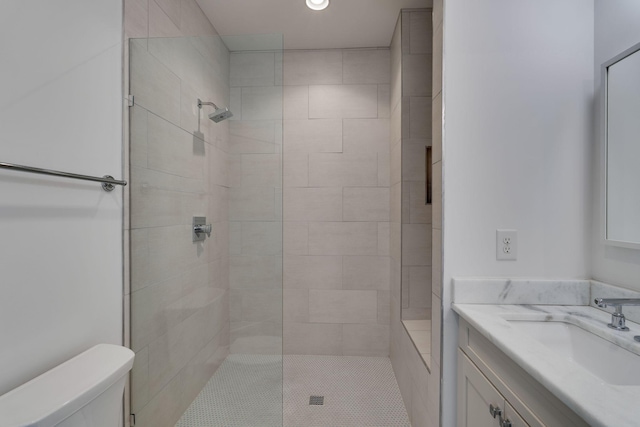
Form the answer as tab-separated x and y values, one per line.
506	245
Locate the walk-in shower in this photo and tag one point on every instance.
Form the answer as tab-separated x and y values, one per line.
290	298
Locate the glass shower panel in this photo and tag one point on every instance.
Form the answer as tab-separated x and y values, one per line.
206	315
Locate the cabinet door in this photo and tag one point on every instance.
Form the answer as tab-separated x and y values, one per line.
475	395
511	415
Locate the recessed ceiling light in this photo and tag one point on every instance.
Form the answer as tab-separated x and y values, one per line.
317	4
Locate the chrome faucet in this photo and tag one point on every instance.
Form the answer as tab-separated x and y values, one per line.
617	318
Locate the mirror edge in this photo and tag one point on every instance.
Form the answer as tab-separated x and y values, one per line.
604	137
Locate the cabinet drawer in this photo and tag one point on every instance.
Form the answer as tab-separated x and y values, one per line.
537	406
476	395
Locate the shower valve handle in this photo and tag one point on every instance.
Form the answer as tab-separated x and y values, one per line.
204	228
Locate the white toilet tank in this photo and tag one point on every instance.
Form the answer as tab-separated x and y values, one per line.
85	391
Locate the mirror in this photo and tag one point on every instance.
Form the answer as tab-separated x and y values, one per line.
622	142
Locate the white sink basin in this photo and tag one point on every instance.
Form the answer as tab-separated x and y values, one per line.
607	361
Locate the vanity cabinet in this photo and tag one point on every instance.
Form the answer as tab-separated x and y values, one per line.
489	378
479	403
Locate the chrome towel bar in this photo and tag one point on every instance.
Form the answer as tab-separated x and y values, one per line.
108	182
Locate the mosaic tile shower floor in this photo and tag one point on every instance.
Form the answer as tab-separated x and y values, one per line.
246	391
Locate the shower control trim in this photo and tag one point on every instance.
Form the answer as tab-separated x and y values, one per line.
201	229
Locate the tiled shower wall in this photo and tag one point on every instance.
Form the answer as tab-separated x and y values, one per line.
417	34
255	205
336	211
178	169
419	386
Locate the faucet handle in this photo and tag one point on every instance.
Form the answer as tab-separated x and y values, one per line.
618	321
604	302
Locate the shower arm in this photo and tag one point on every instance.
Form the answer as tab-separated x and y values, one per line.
200	104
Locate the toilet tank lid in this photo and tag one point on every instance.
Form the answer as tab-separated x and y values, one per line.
55	395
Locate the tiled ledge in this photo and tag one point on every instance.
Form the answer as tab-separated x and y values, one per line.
420	333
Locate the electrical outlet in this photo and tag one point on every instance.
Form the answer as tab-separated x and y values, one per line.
506	245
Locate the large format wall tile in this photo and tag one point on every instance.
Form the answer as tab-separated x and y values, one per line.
337	169
296	305
420	32
366	272
419	211
172	351
193	22
313	204
252	69
313	272
366	66
136	18
343	238
262	103
295	172
416	249
416	79
253	136
343	306
312	338
160	24
366	135
252	204
295	237
171	8
420	117
261	170
255	271
366	204
384	101
313	136
157	308
296	102
365	340
261	238
170	149
160	199
413	159
313	67
343	101
156	88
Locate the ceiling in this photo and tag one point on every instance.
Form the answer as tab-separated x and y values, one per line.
344	24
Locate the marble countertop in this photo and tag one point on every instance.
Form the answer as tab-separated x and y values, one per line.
489	304
598	403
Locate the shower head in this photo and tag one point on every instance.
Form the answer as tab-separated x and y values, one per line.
219	114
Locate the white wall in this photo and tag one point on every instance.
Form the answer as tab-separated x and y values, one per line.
517	98
616	29
61	246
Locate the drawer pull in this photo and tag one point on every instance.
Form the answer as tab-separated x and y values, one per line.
495	411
